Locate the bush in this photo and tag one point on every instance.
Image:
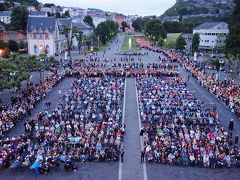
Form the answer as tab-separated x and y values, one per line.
13	46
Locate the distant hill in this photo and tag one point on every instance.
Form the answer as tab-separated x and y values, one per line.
198	8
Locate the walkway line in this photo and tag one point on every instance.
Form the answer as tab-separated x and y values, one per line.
141	139
123	121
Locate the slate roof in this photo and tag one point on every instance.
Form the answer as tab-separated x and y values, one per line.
38	13
208	25
82	25
5	13
43	23
64	21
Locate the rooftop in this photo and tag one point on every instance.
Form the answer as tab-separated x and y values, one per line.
5	13
210	25
38	13
82	25
41	23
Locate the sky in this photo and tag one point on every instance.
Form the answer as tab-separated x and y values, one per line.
127	7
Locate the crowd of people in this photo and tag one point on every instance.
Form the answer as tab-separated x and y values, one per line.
24	101
226	90
131	69
178	130
86	126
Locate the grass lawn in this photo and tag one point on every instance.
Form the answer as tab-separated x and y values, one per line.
125	48
171	40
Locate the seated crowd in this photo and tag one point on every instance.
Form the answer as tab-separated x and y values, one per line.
178	130
24	101
226	90
86	126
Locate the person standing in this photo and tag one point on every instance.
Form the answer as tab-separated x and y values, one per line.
60	93
142	156
122	154
231	125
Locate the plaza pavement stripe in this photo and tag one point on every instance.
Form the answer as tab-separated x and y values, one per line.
131	167
123	121
141	139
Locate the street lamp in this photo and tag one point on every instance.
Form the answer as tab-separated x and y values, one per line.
98	42
221	61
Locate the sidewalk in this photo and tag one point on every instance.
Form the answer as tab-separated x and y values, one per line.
132	167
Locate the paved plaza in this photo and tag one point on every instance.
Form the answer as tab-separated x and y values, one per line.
131	168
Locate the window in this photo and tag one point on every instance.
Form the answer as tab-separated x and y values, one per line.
34	36
47	49
46	36
40	36
35	49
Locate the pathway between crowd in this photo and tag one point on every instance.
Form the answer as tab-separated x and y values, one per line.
209	99
132	168
53	96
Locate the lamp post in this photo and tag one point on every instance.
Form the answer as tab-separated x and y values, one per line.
98	42
221	61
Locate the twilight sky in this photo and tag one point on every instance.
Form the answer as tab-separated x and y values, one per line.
127	7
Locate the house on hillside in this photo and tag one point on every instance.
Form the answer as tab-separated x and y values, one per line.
5	17
43	36
85	28
38	14
212	34
97	19
12	35
119	19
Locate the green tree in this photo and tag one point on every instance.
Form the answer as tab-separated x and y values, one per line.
19	18
88	20
13	45
2	44
180	43
195	42
113	27
79	37
66	14
172	26
187	27
138	24
233	42
58	15
220	45
154	29
103	32
160	42
124	25
49	5
67	32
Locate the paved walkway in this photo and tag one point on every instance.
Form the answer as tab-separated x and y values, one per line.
52	96
131	167
209	99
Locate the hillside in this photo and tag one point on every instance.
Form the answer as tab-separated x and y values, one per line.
198	8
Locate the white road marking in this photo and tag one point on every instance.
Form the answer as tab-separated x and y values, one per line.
141	139
123	121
